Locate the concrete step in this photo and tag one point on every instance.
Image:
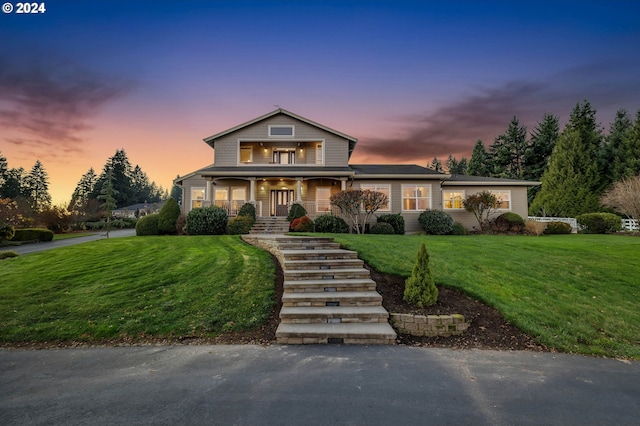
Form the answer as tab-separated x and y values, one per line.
350	333
320	286
323	264
318	254
334	315
337	298
296	245
325	274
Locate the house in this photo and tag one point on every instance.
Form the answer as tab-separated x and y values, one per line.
137	210
281	158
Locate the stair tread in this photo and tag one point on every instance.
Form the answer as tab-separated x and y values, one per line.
344	330
329	283
333	295
335	311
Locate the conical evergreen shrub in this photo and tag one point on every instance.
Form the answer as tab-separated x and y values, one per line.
420	288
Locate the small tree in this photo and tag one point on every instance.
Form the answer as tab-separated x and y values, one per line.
372	201
624	197
108	194
168	216
349	202
481	205
420	288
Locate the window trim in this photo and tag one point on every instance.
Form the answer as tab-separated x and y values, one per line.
375	186
320	148
415	186
202	200
508	191
290	126
462	191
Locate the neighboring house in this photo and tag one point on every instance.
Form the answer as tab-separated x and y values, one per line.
282	158
142	209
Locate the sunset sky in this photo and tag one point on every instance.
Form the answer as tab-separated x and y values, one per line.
411	80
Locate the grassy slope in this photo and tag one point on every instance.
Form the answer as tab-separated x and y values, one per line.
158	286
577	293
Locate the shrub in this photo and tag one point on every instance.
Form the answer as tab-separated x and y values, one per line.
302	224
533	227
33	234
395	220
8	254
248	210
296	211
180	223
557	228
240	225
508	222
382	228
420	288
332	224
436	222
206	221
148	225
6	232
599	223
168	216
458	229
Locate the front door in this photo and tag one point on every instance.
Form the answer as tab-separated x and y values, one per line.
280	201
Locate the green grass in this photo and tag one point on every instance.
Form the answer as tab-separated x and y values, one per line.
574	293
57	237
136	287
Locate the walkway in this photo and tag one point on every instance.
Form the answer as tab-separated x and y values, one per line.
37	247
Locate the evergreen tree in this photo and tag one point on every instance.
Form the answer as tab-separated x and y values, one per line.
420	288
121	171
108	194
456	167
568	184
536	157
37	187
436	165
4	172
480	163
14	184
176	192
508	151
627	163
611	162
82	194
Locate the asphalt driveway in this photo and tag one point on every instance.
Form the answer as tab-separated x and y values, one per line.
36	247
314	385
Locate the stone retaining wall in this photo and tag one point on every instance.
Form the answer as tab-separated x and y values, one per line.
429	325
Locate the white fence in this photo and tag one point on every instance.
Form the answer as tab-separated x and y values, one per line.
570	220
627	224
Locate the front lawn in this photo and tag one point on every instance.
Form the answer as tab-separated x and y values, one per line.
574	293
136	287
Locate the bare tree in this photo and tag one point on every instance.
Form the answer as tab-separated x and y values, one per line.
353	202
481	205
372	201
624	197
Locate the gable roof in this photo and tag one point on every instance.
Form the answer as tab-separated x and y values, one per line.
352	141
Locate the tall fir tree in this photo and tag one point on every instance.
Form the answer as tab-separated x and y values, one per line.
4	172
455	167
508	151
120	169
571	184
611	162
627	164
480	163
14	185
536	158
436	164
176	192
37	187
108	194
82	194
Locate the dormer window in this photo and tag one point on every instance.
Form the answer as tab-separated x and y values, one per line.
281	131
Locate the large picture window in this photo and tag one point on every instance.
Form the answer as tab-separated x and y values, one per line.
384	188
222	197
416	197
197	197
323	194
453	199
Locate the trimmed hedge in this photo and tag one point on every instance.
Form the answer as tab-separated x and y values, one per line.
168	216
331	224
382	228
240	225
206	221
248	210
33	234
508	222
599	223
436	222
458	229
148	225
395	220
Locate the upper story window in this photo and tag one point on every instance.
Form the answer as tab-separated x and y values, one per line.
281	131
319	156
284	156
246	154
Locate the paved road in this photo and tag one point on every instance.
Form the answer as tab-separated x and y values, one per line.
314	385
34	248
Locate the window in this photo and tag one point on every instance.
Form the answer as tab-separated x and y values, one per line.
416	197
323	194
504	199
284	156
385	189
319	159
246	154
197	197
452	199
222	196
238	198
281	131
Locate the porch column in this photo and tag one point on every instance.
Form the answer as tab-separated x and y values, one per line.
252	190
343	184
299	190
